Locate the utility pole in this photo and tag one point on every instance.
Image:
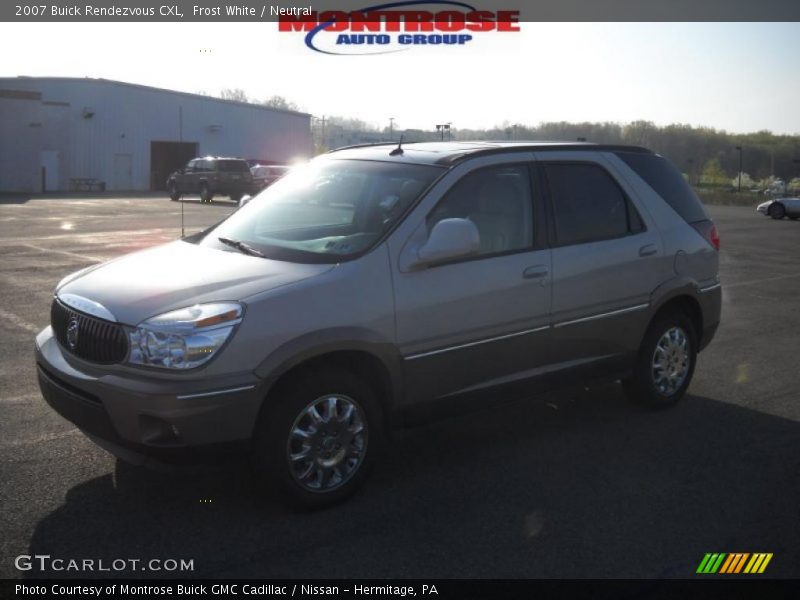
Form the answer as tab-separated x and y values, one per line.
391	128
739	148
320	130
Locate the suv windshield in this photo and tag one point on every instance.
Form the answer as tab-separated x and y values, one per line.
326	210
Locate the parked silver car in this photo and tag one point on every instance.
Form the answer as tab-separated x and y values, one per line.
376	284
266	175
779	208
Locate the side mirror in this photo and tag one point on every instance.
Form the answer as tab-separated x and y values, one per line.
450	239
244	200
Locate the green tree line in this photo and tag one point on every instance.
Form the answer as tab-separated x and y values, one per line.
704	154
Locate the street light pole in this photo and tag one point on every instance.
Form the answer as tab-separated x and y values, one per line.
391	127
739	148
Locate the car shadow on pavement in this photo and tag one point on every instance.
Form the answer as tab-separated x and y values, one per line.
578	484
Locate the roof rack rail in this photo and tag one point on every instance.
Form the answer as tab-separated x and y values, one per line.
533	146
388	143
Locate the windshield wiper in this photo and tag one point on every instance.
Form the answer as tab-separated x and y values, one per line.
241	247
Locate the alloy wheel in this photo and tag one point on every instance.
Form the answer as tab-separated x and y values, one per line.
327	443
670	363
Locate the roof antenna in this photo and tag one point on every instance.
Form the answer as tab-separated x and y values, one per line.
399	149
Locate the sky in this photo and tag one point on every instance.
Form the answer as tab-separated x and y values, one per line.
740	77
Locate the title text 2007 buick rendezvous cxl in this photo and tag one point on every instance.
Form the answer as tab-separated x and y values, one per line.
376	283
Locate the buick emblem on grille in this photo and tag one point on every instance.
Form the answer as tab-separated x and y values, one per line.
72	333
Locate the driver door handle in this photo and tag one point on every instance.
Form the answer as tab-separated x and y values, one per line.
648	250
535	272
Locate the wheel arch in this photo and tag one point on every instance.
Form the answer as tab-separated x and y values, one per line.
378	364
777	203
687	304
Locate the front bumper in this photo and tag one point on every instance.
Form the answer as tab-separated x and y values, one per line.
141	418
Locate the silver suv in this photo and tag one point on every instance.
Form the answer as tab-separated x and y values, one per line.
377	283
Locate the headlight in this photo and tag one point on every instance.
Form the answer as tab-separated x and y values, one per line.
184	338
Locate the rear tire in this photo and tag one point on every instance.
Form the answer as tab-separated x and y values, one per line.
665	363
236	197
777	211
205	193
317	437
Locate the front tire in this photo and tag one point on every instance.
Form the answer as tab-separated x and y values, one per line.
174	194
665	363
777	211
317	437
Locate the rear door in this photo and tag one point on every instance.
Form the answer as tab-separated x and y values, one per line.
792	207
204	173
468	325
605	259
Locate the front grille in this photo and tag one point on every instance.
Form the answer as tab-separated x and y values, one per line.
97	340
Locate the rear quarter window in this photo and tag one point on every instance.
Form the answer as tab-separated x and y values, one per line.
668	183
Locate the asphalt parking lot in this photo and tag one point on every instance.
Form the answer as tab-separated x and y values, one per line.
577	484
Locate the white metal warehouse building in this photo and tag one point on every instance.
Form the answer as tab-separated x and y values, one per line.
67	134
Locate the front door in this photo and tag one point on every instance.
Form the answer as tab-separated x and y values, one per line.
471	324
50	171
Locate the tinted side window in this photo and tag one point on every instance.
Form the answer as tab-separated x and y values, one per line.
588	203
190	168
498	201
237	166
667	182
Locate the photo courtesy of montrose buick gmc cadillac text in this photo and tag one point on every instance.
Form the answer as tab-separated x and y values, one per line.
379	282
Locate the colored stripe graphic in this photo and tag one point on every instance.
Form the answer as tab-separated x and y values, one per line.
711	562
731	560
733	563
741	562
758	563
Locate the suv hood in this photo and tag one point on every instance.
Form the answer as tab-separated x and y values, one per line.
179	274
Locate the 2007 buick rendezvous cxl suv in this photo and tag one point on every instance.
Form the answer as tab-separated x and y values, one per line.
376	283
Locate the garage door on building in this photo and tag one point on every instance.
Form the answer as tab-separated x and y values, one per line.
167	157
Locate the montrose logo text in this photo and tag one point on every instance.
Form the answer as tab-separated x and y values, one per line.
396	26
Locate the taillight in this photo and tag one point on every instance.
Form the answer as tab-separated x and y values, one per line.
713	236
708	230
